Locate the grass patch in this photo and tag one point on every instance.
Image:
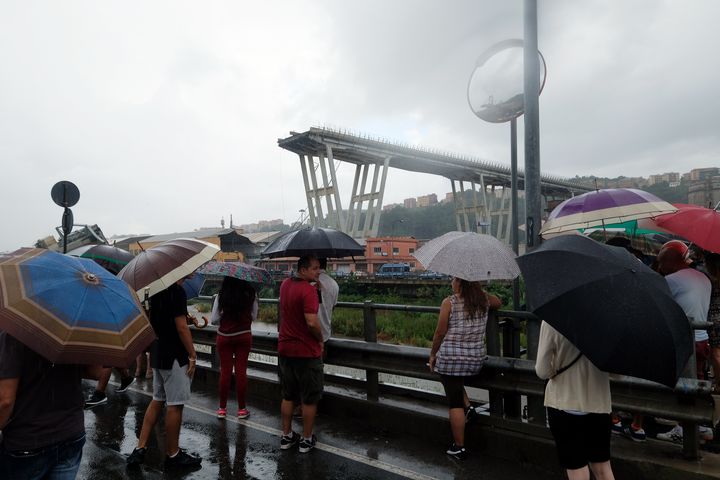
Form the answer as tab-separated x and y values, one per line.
403	328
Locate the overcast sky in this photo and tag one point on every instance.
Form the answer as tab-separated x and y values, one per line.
166	115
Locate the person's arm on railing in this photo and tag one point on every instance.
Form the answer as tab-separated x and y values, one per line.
494	303
440	331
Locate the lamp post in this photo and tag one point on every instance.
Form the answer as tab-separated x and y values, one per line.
497	92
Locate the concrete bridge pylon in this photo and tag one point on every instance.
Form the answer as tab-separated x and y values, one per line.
481	190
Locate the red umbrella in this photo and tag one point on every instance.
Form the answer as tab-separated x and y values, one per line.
700	225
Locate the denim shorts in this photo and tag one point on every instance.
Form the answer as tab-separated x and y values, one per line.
60	461
171	386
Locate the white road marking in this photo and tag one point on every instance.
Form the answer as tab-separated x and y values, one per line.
379	464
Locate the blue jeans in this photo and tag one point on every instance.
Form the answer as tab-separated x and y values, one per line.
55	462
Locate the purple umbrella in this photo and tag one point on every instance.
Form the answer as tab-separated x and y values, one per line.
601	207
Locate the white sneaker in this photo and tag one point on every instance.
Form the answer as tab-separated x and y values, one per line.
674	435
706	433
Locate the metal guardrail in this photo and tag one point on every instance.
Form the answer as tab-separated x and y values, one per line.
505	376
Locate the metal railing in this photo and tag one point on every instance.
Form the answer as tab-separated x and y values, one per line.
505	375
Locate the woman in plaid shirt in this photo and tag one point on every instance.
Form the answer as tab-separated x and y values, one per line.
458	351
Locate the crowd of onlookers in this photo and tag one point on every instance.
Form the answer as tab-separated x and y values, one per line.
577	394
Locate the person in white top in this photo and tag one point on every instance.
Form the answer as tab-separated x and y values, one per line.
691	289
577	397
329	291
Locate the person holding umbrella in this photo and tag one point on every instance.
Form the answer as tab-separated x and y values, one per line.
41	413
235	309
54	321
300	349
577	397
173	361
458	351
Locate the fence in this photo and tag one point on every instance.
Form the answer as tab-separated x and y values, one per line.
507	377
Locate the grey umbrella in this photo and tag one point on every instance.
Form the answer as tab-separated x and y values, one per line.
470	256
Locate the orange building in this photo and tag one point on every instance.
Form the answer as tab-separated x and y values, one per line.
382	250
378	252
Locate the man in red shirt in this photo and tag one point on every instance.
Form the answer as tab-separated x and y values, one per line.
300	352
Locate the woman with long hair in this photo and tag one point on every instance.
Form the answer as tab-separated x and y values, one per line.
458	351
236	308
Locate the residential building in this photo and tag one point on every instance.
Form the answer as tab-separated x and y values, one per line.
410	203
706	190
669	177
427	200
703	174
382	250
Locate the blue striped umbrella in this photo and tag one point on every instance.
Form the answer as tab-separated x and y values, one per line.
71	310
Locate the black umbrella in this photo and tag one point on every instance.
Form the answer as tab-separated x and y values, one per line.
614	309
322	242
111	258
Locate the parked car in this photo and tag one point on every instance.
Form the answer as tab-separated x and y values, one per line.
393	270
430	275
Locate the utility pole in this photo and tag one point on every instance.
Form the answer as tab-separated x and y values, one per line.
532	126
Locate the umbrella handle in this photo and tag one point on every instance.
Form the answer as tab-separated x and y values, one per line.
194	321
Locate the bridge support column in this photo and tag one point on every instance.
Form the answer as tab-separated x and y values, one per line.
315	192
463	213
367	225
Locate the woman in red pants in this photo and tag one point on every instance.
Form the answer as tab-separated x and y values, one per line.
236	308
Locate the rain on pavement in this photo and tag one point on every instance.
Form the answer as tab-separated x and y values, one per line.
250	448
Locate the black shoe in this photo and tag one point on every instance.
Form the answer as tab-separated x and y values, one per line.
456	452
287	441
182	460
124	384
97	398
307	445
136	457
470	414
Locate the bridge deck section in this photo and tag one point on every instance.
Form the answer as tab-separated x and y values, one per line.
361	150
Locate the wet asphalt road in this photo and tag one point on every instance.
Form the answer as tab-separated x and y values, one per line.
250	448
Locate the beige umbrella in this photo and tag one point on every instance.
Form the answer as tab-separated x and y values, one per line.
470	256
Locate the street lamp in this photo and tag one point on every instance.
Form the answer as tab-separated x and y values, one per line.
495	93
